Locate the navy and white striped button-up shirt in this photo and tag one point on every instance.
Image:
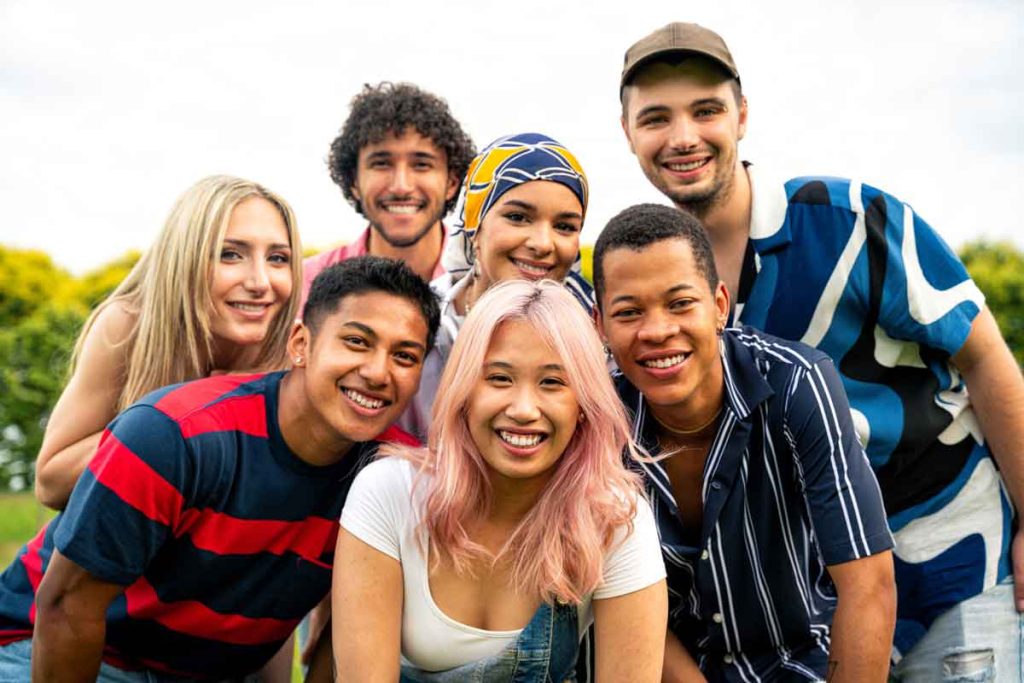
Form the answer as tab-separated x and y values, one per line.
786	491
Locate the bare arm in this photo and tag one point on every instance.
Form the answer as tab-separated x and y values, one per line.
87	404
997	393
864	620
629	635
366	602
70	628
679	665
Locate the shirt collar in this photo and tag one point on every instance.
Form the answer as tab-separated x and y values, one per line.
769	229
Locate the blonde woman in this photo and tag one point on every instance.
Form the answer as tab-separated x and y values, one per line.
212	294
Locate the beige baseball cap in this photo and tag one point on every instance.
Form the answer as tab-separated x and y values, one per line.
677	37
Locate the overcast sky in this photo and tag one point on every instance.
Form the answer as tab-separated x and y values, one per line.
109	110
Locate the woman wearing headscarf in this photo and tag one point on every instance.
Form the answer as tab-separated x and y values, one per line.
520	214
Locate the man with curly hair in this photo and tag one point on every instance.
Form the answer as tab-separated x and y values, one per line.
399	160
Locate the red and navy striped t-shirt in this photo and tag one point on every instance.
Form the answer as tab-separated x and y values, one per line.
223	537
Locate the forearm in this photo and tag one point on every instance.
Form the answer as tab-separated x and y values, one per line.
279	668
57	474
66	648
997	393
862	640
679	665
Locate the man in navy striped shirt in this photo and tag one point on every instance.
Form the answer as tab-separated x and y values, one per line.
936	395
204	528
771	522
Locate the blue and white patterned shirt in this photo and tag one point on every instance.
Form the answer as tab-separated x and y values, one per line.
786	491
854	272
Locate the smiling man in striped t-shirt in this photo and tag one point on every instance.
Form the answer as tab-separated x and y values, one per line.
204	528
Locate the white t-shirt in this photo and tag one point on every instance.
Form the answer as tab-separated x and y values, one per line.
381	512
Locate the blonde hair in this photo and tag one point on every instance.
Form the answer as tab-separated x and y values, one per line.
168	291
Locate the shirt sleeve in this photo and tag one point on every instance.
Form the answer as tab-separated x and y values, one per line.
842	493
634	561
379	505
927	296
129	500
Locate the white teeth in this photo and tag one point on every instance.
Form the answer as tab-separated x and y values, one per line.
688	166
250	308
530	268
364	400
664	362
401	208
521	440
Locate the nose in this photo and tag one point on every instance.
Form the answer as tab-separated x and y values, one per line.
401	179
540	241
374	369
257	279
522	407
657	327
683	133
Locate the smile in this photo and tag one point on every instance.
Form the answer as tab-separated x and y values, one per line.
402	209
662	363
683	167
249	307
538	270
364	400
520	440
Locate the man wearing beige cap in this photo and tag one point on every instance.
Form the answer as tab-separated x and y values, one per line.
853	271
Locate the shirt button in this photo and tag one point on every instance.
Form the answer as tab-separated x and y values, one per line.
716	485
727	659
704	555
717	617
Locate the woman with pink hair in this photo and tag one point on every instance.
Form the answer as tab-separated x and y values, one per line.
488	553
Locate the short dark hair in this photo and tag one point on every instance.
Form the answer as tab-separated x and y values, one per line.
675	59
642	225
392	108
362	274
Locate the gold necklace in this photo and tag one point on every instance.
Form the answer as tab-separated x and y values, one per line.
689	432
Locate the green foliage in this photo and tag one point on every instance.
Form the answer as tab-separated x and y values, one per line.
42	309
998	270
20	518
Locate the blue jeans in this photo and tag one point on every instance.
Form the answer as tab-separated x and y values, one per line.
544	651
16	667
981	639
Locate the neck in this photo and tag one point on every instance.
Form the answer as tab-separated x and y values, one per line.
231	357
728	221
696	416
514	498
307	435
421	257
469	295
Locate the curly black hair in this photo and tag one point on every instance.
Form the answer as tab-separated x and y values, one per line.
391	108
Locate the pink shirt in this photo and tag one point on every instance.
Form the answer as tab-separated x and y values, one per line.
312	266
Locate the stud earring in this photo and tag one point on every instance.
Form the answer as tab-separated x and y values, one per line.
298	360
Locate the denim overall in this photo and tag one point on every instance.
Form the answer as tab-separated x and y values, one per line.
544	651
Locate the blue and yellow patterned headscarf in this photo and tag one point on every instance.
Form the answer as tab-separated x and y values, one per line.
506	163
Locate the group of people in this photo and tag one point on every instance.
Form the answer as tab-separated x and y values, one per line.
778	439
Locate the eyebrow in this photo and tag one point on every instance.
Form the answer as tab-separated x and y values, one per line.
709	100
671	290
650	109
505	365
246	243
369	332
530	207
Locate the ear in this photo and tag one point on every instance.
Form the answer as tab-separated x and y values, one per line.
743	117
598	318
625	130
299	345
722	303
453	186
354	189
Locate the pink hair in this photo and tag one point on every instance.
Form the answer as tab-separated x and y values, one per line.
557	551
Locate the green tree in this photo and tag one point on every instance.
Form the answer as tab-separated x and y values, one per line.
998	270
42	310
